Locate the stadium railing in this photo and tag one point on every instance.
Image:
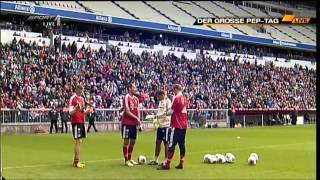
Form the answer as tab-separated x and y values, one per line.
27	120
267	117
16	116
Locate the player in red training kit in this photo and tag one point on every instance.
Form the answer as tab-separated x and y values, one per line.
130	123
77	112
178	125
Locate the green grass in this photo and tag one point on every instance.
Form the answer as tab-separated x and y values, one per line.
284	153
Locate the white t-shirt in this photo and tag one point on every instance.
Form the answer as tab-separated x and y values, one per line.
163	109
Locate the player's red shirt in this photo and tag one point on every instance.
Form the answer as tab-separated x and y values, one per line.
132	102
78	116
179	116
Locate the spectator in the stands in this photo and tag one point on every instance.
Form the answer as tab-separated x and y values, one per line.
33	75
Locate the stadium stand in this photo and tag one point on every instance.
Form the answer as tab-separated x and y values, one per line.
220	10
216	74
302	30
306	31
68	5
106	8
185	12
197	11
25	2
143	11
174	11
279	32
210	81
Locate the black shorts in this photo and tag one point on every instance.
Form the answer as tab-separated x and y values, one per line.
163	134
129	131
78	131
177	136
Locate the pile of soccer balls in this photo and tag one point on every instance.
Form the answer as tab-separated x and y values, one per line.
219	158
228	158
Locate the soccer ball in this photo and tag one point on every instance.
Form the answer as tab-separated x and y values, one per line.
220	158
142	159
230	158
252	160
255	155
206	158
213	159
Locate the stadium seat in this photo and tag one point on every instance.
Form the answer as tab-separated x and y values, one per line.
106	8
143	11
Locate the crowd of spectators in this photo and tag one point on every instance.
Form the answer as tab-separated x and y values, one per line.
100	34
32	76
198	43
191	44
207	44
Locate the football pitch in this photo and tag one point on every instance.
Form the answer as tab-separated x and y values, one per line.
286	152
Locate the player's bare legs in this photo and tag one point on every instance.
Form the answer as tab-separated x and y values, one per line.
130	149
169	158
166	149
76	161
157	151
77	151
127	149
125	152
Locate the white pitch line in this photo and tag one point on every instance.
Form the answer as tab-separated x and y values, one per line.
199	152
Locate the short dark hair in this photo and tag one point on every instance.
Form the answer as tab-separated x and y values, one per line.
130	85
160	92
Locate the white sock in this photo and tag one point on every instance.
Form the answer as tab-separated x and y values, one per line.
156	158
